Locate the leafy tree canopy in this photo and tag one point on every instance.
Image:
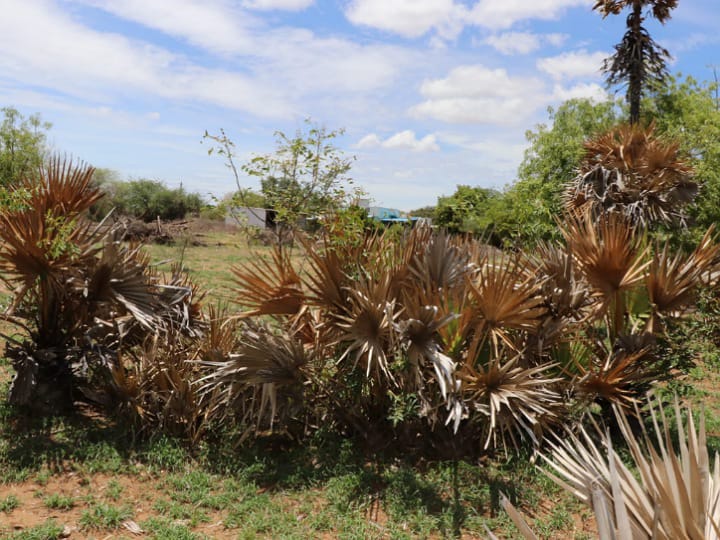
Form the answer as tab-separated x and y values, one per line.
22	144
305	176
689	112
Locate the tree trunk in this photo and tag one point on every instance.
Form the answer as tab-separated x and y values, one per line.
637	62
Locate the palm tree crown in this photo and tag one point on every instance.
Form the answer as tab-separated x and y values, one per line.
638	59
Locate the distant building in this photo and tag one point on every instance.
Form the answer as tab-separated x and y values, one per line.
262	218
389	216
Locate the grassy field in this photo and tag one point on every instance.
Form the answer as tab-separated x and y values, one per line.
91	479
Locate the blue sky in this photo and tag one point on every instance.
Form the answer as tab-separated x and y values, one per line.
431	93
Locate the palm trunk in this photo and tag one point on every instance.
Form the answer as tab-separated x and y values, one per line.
637	63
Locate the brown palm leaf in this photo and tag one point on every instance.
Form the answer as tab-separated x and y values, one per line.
610	253
442	265
667	492
632	171
265	370
673	281
64	189
512	400
269	287
618	377
368	329
504	297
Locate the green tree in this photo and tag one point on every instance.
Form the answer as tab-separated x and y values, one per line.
424	212
534	201
150	199
22	144
469	209
305	177
689	113
638	59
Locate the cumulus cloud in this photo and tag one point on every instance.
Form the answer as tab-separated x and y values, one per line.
476	94
289	5
505	13
414	18
409	18
573	65
581	90
80	61
405	140
522	42
288	58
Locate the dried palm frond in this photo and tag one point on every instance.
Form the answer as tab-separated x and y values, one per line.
155	387
368	327
673	281
254	382
120	276
420	337
610	254
269	287
517	401
631	171
677	494
566	293
326	278
442	264
181	301
618	377
64	188
504	298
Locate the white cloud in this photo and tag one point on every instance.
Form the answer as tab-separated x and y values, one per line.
476	94
369	141
76	60
292	59
409	18
581	90
414	18
514	42
573	65
289	5
212	24
522	42
500	14
407	140
404	140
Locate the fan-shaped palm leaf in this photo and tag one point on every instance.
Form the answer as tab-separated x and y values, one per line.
504	298
517	401
269	287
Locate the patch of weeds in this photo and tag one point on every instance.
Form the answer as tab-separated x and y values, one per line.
101	457
49	530
165	454
352	490
14	476
260	515
164	529
113	490
9	503
192	487
42	476
558	520
104	516
58	501
177	511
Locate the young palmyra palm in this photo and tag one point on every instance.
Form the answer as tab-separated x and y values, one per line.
670	491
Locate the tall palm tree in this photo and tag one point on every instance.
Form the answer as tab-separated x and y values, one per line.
638	59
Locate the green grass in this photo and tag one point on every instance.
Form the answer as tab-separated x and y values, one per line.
57	501
210	264
49	530
104	516
9	503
